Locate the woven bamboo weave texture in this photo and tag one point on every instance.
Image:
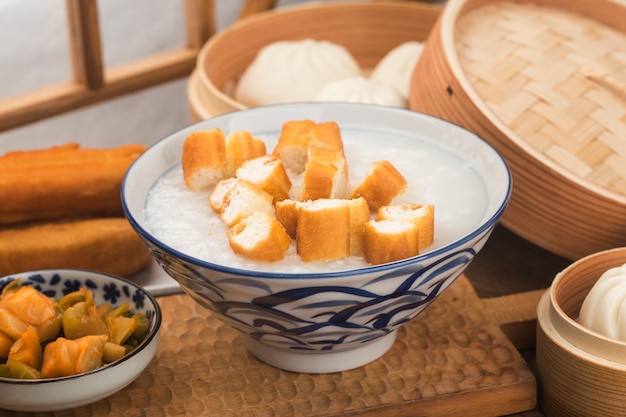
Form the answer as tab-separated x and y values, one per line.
557	79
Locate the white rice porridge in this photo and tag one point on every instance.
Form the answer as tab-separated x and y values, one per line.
184	220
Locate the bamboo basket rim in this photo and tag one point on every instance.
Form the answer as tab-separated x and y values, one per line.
547	327
285	12
193	95
449	17
570	329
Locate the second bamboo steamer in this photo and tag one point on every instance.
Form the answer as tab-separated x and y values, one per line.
544	83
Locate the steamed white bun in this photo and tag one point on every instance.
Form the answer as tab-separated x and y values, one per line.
361	90
604	308
396	68
290	71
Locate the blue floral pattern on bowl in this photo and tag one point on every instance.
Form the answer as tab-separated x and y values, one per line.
57	283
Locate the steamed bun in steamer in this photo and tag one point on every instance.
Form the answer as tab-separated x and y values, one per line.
604	308
292	71
396	68
361	90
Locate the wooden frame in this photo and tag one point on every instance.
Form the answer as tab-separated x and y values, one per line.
93	83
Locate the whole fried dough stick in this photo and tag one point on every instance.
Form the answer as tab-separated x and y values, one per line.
63	182
108	245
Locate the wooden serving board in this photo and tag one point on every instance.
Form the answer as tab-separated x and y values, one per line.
459	357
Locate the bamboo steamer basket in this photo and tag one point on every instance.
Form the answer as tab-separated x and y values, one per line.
580	372
544	83
367	30
197	102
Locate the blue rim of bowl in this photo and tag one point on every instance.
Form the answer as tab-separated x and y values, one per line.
147	340
330	274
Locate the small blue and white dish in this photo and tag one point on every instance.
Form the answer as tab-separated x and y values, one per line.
335	319
52	394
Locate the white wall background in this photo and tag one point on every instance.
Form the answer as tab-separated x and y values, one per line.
34	52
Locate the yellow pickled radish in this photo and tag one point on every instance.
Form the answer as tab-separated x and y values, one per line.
104	309
90	351
112	352
27	349
65	357
29	305
5	345
11	325
120	328
59	358
119	310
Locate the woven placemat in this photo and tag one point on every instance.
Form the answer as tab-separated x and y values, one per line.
450	360
557	79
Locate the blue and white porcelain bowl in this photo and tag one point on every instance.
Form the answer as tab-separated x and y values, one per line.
333	316
52	394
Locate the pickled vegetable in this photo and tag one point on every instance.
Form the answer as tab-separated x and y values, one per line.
29	305
27	349
82	319
44	338
24	306
121	328
20	370
5	345
71	298
12	325
142	326
119	310
65	357
112	352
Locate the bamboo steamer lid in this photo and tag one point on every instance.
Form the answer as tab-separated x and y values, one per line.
545	83
580	372
367	30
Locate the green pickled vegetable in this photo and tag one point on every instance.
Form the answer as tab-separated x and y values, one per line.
72	298
82	319
20	370
142	326
119	310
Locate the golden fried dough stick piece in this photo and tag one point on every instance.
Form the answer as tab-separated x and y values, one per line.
323	230
68	154
382	183
63	182
107	244
259	236
204	159
297	135
359	215
389	241
287	214
325	174
422	215
241	146
269	174
53	155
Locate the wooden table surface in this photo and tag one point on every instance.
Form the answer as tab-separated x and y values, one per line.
509	264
